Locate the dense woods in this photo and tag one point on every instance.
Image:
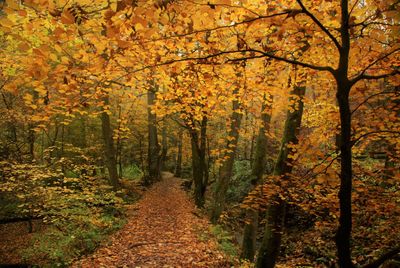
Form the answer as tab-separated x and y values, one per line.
279	121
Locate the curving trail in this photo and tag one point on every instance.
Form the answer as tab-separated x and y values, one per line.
162	231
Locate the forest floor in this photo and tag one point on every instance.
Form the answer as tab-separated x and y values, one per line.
164	229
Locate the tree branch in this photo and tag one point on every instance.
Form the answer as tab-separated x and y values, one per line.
386	256
261	55
260	17
370	97
295	62
362	74
353	142
320	25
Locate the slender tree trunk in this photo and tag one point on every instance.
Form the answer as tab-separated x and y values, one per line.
142	165
343	234
119	158
270	245
61	152
225	173
199	164
82	131
178	167
119	145
164	149
110	155
252	149
153	156
258	169
250	235
31	142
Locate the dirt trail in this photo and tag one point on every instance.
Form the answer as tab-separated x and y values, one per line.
162	231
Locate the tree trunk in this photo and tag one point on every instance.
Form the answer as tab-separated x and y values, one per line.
142	160
119	145
110	156
82	132
225	173
343	234
199	164
178	166
250	235
31	142
275	215
164	149
153	158
258	169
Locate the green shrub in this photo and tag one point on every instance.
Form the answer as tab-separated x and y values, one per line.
59	246
79	212
132	172
225	240
240	182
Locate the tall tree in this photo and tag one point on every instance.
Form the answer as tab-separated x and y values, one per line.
257	172
275	214
178	165
109	152
164	148
226	169
199	164
153	157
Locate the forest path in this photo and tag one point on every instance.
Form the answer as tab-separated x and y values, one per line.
162	231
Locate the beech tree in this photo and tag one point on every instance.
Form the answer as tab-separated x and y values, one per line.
60	58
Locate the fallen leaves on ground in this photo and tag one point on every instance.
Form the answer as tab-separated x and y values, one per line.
162	231
14	237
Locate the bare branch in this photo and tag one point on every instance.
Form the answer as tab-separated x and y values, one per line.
386	256
394	132
376	77
260	53
370	97
295	62
320	25
352	8
362	74
323	161
247	21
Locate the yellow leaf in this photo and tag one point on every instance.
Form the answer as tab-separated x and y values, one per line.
53	57
58	48
138	27
64	60
6	22
28	98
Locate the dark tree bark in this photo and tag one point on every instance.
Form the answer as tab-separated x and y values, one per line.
153	157
343	234
250	235
178	166
199	164
343	88
164	148
119	146
110	155
225	173
258	169
141	156
31	142
270	245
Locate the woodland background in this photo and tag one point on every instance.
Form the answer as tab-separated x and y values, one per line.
281	118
